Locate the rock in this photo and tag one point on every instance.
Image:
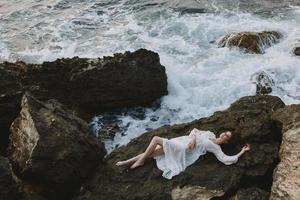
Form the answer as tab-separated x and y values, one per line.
296	51
89	86
9	189
249	119
108	132
10	97
264	83
52	148
195	193
286	177
252	193
124	80
250	42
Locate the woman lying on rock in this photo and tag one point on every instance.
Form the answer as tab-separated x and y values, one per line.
174	155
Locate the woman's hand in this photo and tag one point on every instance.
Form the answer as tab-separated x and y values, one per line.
192	143
246	147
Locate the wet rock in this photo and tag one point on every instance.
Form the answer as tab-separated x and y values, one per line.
249	119
108	131
286	177
250	42
296	51
252	193
9	189
264	83
108	124
52	148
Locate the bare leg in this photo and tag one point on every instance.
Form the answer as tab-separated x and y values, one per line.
128	161
158	151
150	149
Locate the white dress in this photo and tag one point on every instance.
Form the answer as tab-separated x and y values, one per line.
177	156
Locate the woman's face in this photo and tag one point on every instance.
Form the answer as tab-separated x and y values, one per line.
225	136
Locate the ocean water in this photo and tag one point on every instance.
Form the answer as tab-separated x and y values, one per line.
202	78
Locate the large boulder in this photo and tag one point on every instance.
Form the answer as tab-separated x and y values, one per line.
250	42
249	119
50	146
89	86
9	188
122	80
286	177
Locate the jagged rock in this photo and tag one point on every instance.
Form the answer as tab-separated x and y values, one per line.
296	51
10	97
252	193
88	85
250	42
249	118
9	189
264	83
286	177
52	147
124	80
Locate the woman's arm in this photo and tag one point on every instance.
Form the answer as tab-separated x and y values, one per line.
192	143
228	160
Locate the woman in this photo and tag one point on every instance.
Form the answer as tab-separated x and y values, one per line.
174	155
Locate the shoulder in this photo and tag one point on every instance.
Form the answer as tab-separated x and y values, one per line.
211	134
207	134
199	131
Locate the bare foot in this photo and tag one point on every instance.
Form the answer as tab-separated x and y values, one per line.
137	164
120	163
